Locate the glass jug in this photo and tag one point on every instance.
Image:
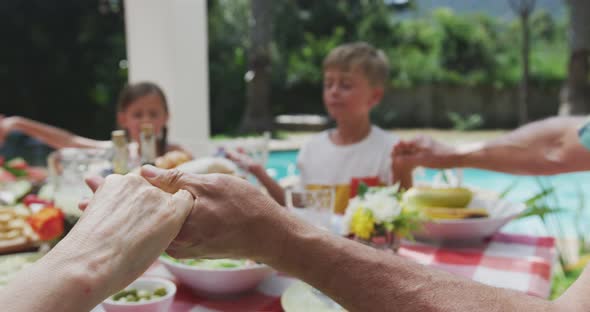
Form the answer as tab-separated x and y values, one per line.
68	167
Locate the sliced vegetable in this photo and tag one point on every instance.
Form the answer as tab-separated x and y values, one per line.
16	190
48	223
135	295
34	199
6	176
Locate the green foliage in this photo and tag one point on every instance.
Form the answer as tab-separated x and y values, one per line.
62	60
61	63
305	64
362	189
460	123
228	40
444	48
562	281
545	205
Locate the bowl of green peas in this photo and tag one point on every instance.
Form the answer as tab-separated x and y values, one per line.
147	294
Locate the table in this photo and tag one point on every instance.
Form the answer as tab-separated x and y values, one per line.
518	262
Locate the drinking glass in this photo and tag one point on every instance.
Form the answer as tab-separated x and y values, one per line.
313	206
68	167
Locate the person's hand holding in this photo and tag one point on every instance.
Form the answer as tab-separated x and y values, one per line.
6	126
230	218
243	161
124	228
422	151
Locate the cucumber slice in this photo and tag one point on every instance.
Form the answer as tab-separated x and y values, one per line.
12	192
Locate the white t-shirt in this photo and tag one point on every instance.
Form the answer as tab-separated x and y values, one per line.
323	164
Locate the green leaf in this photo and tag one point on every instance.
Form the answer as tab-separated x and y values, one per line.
544	193
17	172
388	226
444	176
508	189
362	189
540	211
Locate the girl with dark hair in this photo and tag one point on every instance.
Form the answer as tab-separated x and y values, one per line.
139	103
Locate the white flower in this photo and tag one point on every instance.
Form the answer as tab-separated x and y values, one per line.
353	204
389	190
383	205
380	201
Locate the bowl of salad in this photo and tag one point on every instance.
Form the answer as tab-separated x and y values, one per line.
217	277
147	294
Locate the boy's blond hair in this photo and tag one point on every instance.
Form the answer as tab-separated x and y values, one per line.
371	61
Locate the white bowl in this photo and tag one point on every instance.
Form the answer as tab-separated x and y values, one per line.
148	283
500	212
218	282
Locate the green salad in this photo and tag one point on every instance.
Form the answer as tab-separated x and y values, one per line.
12	264
138	295
218	264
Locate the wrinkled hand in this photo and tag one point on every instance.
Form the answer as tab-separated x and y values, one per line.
422	151
126	226
230	218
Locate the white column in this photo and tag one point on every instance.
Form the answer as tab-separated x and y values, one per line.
167	44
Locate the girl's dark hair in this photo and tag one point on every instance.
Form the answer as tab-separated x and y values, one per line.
134	91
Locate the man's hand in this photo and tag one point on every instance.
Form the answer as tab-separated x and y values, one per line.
125	227
243	161
423	151
230	217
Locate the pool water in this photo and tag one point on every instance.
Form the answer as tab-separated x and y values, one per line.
569	190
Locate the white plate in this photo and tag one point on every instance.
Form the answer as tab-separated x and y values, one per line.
500	211
300	297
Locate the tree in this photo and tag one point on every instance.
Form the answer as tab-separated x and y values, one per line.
257	116
63	62
575	93
524	8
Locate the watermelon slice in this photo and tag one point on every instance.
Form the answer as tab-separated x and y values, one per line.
17	163
17	166
6	176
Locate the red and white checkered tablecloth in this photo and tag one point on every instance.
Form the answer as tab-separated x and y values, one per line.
518	262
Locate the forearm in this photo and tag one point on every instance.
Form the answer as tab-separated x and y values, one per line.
274	189
546	147
403	176
362	278
506	157
60	281
53	136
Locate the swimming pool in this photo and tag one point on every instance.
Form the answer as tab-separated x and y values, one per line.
568	188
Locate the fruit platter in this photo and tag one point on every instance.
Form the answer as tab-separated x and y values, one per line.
17	169
459	213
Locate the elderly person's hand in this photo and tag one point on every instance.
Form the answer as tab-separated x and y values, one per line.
126	226
422	151
243	161
230	217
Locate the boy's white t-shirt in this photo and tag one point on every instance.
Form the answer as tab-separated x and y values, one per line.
323	164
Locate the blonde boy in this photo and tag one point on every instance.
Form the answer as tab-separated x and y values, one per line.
355	77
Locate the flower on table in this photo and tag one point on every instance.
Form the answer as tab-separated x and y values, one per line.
362	224
376	211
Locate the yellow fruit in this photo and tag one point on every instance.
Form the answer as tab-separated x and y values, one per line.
420	197
454	213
